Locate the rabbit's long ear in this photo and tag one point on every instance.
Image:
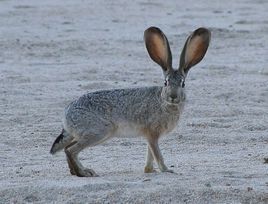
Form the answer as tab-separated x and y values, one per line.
158	47
194	49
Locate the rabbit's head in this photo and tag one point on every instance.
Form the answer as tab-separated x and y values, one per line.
193	52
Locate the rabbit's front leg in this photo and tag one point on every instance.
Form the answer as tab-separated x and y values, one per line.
153	145
149	168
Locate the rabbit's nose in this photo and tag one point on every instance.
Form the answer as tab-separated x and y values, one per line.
173	96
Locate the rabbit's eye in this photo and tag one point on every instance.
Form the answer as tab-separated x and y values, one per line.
166	83
183	84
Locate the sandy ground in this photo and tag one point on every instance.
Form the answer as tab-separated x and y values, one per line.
53	51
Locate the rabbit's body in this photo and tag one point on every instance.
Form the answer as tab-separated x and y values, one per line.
139	110
148	111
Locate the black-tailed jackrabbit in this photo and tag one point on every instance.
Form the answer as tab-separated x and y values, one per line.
149	111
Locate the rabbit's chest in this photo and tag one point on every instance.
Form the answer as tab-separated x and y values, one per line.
168	124
166	120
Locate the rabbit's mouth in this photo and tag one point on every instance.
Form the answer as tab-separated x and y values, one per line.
173	102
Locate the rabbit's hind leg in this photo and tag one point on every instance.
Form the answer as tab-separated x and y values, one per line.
86	140
76	168
70	165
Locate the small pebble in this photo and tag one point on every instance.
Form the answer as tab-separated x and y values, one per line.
249	188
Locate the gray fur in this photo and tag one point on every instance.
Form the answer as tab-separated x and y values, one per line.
148	111
140	108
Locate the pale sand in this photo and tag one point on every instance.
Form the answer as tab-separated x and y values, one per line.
51	52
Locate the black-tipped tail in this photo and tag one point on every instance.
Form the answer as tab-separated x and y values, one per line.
57	143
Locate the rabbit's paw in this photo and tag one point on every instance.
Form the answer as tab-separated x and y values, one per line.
149	169
169	171
87	173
